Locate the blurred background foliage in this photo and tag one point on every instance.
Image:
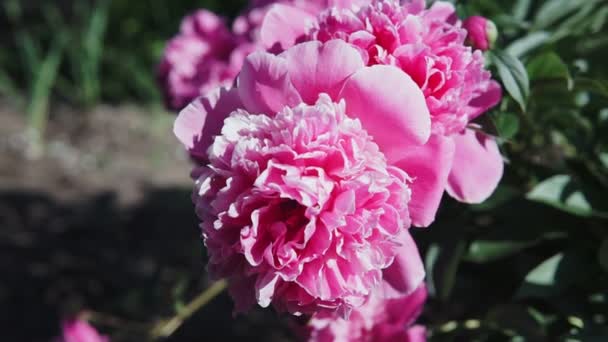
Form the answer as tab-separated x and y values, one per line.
529	264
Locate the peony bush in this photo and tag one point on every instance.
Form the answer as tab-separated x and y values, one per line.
311	168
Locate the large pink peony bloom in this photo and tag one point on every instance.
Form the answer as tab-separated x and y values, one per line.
75	330
207	53
299	206
378	320
428	44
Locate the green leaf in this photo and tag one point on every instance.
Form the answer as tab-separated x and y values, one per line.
507	125
603	255
503	194
549	66
554	275
482	251
563	193
502	241
521	9
513	75
524	45
553	10
599	87
545	273
442	261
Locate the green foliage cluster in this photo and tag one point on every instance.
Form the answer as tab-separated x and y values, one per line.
530	264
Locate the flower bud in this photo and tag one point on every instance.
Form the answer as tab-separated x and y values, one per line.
482	32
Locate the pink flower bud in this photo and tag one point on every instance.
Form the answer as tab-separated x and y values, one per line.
482	33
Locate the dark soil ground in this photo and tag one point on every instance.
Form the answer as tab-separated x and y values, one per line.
102	222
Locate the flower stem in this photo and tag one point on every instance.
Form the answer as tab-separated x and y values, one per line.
166	328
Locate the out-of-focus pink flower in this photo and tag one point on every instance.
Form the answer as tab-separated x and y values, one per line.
429	45
481	32
204	55
207	54
299	206
379	319
75	330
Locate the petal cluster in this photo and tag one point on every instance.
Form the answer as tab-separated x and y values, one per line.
299	205
379	319
428	44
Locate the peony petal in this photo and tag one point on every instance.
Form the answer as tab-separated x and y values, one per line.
417	333
406	273
391	108
405	310
490	98
316	68
442	11
265	287
429	166
283	25
264	85
200	121
477	167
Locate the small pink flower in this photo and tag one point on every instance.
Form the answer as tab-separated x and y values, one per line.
428	45
481	32
75	330
379	319
299	206
204	55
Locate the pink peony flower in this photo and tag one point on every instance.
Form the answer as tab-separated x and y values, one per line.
204	55
481	32
299	206
379	319
75	330
427	44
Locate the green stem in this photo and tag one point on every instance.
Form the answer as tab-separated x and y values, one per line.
166	328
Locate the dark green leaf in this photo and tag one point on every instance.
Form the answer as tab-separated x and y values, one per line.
482	251
570	196
596	86
549	66
442	262
603	255
507	125
514	77
521	8
524	45
560	192
553	276
501	195
553	10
